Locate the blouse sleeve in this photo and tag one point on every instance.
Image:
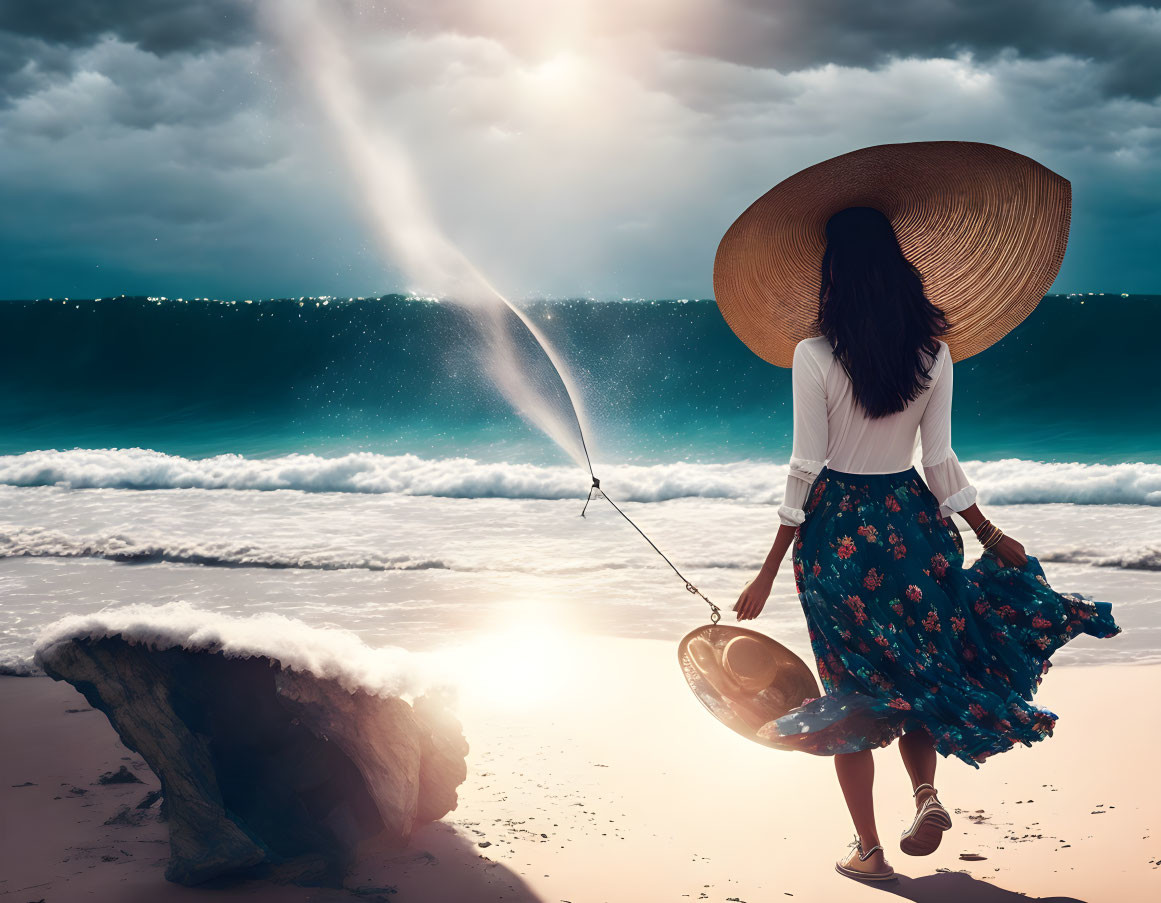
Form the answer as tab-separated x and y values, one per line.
941	467
810	434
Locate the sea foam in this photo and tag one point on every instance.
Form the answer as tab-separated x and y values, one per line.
325	652
37	542
1009	481
1144	558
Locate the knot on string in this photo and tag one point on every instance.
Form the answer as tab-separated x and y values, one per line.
595	487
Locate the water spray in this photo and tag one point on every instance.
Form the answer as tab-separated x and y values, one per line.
410	235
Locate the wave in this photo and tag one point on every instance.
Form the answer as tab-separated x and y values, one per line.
35	542
17	664
658	378
1014	481
1009	481
38	542
1146	558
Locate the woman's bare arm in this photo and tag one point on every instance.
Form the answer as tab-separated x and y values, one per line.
757	591
1008	550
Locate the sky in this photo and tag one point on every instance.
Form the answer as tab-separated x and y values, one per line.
569	148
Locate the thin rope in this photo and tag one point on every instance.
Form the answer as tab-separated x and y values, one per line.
715	612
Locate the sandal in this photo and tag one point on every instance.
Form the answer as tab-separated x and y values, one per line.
856	844
926	832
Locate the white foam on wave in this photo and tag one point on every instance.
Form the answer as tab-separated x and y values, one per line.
37	542
363	472
1014	481
325	652
1144	558
1010	481
15	664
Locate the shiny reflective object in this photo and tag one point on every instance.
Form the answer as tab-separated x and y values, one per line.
745	678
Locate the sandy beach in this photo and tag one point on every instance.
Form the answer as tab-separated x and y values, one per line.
619	787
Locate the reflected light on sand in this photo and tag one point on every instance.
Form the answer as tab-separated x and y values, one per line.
525	664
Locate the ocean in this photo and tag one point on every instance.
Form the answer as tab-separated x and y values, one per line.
348	462
663	381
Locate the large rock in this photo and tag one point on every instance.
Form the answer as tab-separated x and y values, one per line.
263	768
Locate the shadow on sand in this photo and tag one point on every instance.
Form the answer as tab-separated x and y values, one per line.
958	887
440	863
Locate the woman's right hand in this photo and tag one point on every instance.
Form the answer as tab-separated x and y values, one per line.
1010	552
753	598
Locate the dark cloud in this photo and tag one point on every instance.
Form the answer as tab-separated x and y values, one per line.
39	39
28	64
158	147
157	26
1123	39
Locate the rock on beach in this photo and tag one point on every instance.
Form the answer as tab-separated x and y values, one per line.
267	770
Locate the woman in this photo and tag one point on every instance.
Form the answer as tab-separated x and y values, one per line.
909	644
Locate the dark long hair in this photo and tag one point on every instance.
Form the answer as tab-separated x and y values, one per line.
873	310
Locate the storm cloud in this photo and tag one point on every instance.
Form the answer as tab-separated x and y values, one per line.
156	26
572	148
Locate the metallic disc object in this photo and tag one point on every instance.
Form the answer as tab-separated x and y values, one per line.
745	678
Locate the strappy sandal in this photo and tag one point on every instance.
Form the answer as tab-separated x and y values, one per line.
856	844
926	832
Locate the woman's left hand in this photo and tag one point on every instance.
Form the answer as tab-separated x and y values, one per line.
1010	552
754	596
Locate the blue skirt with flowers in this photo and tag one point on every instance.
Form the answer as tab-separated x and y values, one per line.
906	637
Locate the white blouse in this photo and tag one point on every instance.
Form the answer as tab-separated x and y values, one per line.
831	428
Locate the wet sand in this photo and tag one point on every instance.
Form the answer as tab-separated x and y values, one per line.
620	787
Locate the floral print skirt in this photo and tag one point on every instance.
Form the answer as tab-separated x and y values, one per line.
906	637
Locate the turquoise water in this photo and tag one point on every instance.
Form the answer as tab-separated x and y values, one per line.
349	463
662	380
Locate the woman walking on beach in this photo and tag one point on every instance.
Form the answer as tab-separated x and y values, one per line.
909	643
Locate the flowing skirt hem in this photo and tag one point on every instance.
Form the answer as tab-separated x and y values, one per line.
906	638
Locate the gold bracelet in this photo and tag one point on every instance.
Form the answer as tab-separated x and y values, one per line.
985	531
995	540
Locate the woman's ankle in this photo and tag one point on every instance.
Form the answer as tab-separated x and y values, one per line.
921	795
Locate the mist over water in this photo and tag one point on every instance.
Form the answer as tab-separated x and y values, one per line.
318	42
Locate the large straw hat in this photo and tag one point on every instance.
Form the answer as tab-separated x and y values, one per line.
985	226
745	678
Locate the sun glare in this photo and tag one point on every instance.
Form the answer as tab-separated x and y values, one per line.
520	666
557	74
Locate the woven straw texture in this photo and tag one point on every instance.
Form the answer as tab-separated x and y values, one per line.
986	227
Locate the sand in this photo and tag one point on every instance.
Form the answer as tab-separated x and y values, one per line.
618	786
